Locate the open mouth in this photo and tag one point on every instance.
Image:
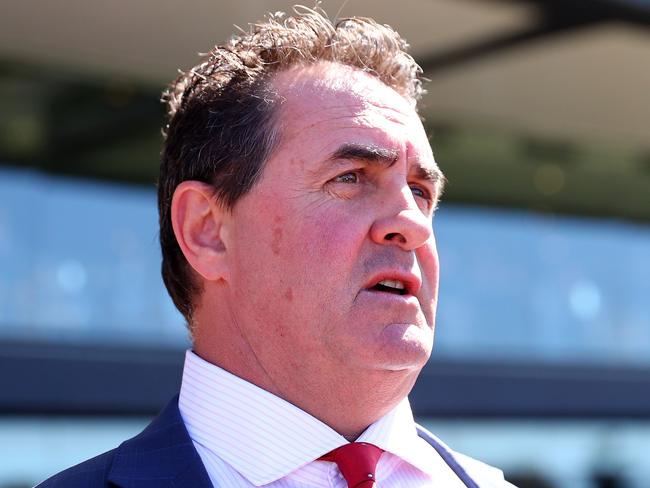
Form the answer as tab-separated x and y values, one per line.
395	287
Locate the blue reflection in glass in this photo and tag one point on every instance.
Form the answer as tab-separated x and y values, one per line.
80	261
519	285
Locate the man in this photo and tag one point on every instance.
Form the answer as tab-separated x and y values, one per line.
296	194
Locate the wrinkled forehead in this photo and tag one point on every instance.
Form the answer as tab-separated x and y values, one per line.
332	97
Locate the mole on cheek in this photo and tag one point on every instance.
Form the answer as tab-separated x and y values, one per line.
277	236
277	239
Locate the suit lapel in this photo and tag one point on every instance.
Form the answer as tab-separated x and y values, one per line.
162	455
447	456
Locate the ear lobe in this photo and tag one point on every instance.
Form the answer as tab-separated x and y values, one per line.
198	222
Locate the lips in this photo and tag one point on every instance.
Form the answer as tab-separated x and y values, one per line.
390	286
396	283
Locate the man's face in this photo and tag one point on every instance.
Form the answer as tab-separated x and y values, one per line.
333	268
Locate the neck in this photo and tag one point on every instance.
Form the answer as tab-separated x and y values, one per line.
346	405
348	400
349	411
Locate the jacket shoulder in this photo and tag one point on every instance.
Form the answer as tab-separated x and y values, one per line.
162	455
92	473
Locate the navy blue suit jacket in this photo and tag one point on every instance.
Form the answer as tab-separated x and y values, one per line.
163	456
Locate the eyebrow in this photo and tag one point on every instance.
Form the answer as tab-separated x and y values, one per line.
366	152
433	175
386	157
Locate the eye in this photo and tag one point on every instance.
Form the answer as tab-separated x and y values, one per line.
424	194
421	192
350	177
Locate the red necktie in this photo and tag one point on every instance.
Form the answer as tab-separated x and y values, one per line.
357	462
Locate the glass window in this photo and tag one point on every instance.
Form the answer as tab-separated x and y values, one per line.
516	285
81	262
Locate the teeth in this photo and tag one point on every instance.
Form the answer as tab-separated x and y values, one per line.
392	284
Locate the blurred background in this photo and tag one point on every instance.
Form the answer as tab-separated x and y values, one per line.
539	114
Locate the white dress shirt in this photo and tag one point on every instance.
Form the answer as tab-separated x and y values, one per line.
248	437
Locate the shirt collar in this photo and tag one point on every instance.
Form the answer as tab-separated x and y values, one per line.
396	433
264	437
260	435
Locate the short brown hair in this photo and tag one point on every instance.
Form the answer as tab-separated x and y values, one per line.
221	113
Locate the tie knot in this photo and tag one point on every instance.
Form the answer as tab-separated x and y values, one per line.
357	462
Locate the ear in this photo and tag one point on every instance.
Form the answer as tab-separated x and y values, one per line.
198	222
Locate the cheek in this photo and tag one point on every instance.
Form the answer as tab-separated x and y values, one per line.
330	239
259	243
430	268
317	264
288	248
428	257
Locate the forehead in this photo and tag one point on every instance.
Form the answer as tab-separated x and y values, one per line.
327	103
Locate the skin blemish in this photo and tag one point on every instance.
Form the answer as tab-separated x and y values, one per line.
277	239
288	294
297	163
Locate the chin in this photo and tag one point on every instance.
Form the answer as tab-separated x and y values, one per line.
405	347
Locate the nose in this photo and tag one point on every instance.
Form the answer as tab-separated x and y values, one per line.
401	222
